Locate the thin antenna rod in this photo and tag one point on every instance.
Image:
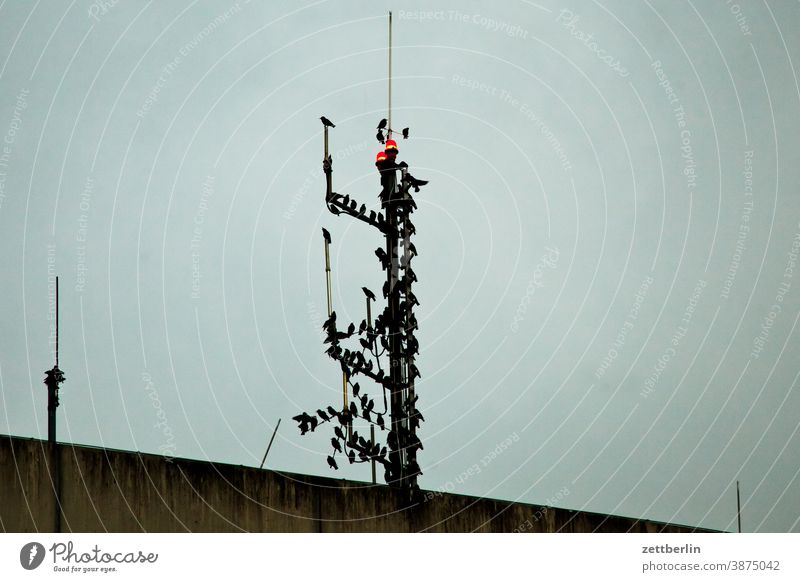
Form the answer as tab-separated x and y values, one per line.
738	507
389	116
56	321
269	446
328	276
370	336
372	440
330	306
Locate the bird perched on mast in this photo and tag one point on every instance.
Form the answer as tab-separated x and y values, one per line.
326	122
382	124
415	183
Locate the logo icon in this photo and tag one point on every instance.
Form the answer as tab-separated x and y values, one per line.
31	555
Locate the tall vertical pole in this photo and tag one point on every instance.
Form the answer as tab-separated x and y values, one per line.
398	371
389	115
395	396
738	507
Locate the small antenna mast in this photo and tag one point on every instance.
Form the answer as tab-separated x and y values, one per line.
56	321
53	379
738	507
269	446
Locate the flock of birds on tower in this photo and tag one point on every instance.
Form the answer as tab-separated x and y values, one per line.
391	334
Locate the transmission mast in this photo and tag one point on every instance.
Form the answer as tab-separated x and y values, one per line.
392	334
53	379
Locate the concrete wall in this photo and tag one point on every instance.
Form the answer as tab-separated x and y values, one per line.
121	491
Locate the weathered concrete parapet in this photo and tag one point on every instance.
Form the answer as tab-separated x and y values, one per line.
122	491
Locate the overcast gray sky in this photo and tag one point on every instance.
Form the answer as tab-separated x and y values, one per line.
606	246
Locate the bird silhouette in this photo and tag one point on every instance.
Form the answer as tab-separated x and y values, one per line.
330	323
326	122
326	235
323	415
415	183
368	293
416	420
303	420
336	445
332	463
382	124
384	258
405	133
379	136
304	417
